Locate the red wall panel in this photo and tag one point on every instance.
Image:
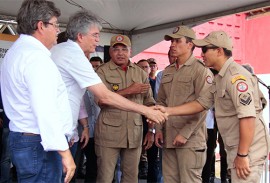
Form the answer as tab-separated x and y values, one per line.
250	39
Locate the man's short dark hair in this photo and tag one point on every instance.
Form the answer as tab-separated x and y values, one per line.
96	59
227	53
62	37
142	60
188	39
33	11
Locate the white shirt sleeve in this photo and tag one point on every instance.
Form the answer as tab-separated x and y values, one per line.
83	112
83	72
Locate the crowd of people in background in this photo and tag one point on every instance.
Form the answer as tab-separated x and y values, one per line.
64	111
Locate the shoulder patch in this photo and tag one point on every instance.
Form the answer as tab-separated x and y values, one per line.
209	79
245	98
242	87
240	77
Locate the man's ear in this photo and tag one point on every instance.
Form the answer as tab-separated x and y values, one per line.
79	37
191	44
110	51
39	28
40	25
220	51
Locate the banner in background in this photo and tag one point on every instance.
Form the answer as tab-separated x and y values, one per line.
6	41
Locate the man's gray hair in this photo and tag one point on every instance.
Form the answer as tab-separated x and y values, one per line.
80	22
33	11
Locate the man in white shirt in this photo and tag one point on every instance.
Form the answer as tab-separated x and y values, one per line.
35	98
83	32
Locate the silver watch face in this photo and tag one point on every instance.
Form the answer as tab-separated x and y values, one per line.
152	130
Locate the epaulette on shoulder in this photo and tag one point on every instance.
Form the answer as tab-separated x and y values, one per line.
168	66
201	62
102	65
233	71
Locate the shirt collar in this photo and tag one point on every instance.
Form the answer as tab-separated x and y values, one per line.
225	67
74	43
36	42
190	61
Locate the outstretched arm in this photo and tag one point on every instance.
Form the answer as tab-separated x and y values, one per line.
182	110
107	97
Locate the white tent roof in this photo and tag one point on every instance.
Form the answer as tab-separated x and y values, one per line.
145	21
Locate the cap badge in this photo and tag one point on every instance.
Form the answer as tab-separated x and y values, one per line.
175	30
119	38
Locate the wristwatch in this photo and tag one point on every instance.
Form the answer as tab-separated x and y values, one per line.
152	130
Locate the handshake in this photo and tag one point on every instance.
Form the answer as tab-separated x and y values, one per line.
156	114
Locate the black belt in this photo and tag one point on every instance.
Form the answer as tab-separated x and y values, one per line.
30	134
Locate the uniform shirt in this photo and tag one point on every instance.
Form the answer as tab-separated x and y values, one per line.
179	86
77	74
235	93
117	128
34	94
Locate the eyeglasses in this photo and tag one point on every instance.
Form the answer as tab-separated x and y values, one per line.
205	48
152	66
95	35
56	25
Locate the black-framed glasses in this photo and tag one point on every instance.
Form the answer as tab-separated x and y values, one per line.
205	48
55	25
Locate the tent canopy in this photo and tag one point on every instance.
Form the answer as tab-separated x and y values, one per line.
145	21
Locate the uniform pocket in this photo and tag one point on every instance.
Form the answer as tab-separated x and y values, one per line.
184	85
200	157
225	101
166	79
114	82
138	130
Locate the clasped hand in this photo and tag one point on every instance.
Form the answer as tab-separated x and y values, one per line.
156	114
